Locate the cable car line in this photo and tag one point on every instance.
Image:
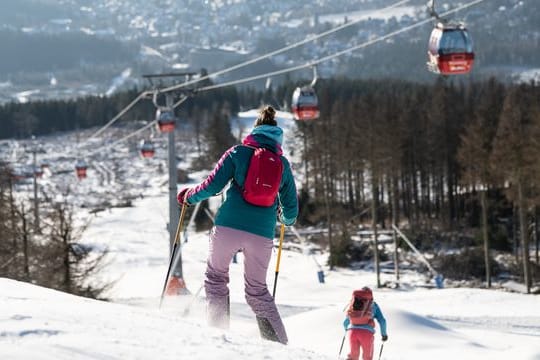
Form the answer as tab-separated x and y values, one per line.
237	66
270	74
329	57
342	52
130	135
120	114
279	51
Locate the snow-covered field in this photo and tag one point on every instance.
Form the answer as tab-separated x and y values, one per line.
423	323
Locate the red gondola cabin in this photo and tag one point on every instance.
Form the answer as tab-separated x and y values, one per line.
38	171
147	149
450	50
305	105
166	119
80	169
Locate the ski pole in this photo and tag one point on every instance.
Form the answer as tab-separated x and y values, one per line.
281	235
380	352
188	308
173	254
342	342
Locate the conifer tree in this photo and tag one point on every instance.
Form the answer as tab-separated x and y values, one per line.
475	152
515	160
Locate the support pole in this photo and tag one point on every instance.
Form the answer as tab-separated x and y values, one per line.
418	253
36	200
173	189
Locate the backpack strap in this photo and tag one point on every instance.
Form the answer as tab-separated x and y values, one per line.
234	180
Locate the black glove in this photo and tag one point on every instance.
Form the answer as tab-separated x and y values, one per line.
384	337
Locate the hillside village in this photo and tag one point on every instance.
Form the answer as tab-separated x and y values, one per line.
124	40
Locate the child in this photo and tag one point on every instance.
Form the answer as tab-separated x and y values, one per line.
360	325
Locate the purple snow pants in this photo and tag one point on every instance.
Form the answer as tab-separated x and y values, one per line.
257	250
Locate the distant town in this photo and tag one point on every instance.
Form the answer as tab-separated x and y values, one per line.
122	40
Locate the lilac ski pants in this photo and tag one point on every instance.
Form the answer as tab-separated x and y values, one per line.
257	250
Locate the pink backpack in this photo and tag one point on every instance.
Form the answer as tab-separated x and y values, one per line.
263	178
360	309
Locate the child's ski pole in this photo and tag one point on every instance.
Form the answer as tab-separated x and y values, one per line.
380	352
342	342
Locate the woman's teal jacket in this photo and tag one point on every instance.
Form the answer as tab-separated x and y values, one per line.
231	170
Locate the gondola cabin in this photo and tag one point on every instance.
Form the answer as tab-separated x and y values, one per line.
147	149
45	165
304	104
38	172
166	119
80	169
450	50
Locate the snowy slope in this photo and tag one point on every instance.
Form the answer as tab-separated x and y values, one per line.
39	323
423	323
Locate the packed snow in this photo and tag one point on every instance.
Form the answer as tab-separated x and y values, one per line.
424	323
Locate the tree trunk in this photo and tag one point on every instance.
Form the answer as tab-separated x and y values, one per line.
25	235
515	232
394	224
358	198
524	236
406	198
350	189
381	214
415	196
483	202
374	197
13	216
305	157
67	269
536	235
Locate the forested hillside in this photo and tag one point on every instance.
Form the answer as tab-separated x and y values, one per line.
48	53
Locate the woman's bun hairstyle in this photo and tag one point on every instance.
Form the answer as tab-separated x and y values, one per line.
266	116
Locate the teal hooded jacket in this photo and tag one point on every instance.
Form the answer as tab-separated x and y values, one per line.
231	170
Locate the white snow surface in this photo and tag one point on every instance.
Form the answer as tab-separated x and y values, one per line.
424	323
39	323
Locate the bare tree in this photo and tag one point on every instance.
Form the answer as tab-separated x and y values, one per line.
66	263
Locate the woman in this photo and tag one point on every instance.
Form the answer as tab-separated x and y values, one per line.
240	225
